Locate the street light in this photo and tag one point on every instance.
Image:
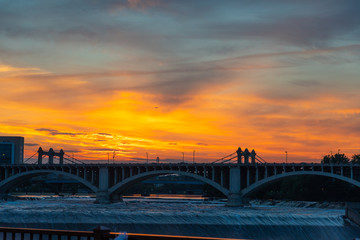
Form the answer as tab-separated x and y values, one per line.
286	156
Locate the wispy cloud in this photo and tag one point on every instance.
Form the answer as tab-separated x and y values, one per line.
11	71
31	144
55	132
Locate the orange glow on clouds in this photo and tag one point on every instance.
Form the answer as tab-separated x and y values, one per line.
169	77
213	122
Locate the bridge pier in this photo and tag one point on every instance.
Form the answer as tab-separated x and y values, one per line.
102	195
235	198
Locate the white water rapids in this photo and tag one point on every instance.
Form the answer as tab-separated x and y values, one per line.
284	220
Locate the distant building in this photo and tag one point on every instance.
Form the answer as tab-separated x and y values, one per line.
11	150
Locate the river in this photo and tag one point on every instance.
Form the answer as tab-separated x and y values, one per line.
193	217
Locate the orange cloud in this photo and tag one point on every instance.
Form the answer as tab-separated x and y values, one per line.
10	71
92	118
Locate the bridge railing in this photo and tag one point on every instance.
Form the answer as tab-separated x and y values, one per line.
99	233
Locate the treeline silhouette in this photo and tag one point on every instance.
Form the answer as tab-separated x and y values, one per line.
340	158
314	188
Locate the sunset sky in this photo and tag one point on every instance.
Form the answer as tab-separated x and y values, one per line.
168	76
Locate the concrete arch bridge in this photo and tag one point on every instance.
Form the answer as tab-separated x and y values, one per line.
234	180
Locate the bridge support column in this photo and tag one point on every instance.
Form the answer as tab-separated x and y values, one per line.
235	198
102	195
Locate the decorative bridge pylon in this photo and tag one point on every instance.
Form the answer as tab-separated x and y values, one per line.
246	154
242	157
51	153
63	158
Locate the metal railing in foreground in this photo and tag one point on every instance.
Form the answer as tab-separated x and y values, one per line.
99	233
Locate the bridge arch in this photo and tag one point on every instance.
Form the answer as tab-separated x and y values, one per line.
128	182
12	181
264	182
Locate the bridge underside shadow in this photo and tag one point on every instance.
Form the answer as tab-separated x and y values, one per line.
119	189
258	186
11	182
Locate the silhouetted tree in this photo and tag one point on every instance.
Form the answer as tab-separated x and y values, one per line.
355	158
326	159
336	158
